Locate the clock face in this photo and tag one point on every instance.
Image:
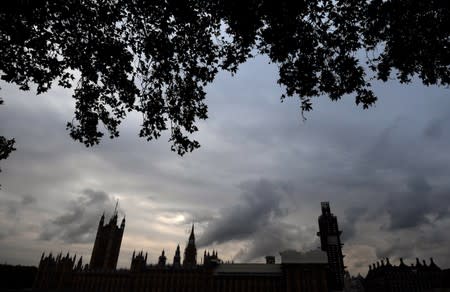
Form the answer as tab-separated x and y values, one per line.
332	239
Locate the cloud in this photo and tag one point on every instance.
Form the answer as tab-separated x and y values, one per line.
13	207
353	215
258	219
78	223
384	170
260	205
420	204
435	128
277	237
12	211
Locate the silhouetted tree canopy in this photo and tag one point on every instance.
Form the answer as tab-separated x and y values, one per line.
6	145
156	57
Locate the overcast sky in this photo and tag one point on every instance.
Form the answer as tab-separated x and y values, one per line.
253	188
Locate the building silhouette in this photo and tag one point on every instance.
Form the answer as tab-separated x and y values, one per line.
190	253
297	272
16	278
56	271
353	284
330	242
320	270
107	244
418	277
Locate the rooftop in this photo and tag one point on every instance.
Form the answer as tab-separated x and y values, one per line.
310	257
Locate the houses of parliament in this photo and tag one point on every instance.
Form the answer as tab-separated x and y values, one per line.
297	272
320	270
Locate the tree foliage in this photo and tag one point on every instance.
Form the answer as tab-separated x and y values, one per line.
6	145
156	57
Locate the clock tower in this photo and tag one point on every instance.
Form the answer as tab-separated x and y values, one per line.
330	241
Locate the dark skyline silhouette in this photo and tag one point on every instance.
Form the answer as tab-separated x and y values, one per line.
386	168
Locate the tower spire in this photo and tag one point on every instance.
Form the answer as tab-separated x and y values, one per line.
190	253
192	236
177	257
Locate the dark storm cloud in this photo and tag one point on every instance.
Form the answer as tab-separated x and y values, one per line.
260	205
79	222
258	219
418	205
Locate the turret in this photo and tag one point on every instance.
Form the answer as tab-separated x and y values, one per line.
418	263
80	264
177	257
138	262
162	259
433	266
102	220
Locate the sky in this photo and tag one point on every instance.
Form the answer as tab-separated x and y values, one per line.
252	189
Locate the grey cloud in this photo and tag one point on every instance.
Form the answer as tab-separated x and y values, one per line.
419	205
396	248
10	213
421	243
260	205
407	210
198	216
419	185
13	207
352	216
354	158
436	126
78	223
28	199
276	237
258	219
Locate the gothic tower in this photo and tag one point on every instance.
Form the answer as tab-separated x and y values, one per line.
190	252
107	244
177	258
331	243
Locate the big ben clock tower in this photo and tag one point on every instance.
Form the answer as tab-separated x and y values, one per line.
330	242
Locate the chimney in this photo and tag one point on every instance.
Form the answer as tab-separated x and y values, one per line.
270	260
